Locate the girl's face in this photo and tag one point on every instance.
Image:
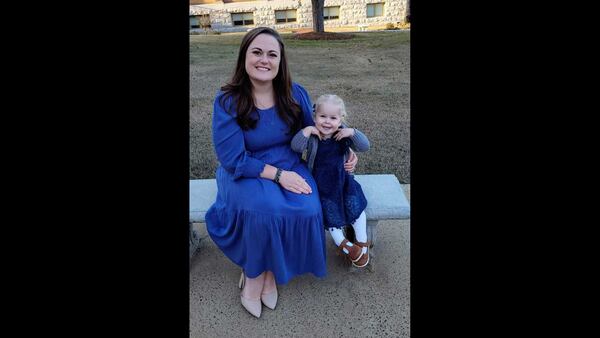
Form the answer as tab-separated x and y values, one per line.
262	58
328	119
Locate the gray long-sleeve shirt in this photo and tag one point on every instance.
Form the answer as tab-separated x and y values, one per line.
300	143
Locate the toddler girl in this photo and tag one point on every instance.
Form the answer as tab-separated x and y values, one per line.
327	146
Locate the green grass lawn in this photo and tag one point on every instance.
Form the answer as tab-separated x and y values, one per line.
371	72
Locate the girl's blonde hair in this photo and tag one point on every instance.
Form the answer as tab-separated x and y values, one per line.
333	99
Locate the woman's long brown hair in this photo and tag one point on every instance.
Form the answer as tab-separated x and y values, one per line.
239	88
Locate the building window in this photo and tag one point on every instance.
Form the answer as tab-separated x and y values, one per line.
198	21
374	10
242	19
285	16
330	13
194	22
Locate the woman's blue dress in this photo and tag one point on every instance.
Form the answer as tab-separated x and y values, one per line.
341	196
258	224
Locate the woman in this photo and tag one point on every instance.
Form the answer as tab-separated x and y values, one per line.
267	216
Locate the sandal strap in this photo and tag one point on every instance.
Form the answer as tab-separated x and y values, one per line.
343	245
340	248
364	259
363	244
340	251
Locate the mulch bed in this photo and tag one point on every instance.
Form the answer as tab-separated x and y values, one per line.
310	35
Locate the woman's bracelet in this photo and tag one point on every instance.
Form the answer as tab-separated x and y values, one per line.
277	174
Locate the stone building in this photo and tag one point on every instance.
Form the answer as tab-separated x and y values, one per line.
241	15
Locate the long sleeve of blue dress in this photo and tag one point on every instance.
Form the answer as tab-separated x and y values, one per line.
301	96
228	139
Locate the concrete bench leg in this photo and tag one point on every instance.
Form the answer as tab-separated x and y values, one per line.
194	240
372	231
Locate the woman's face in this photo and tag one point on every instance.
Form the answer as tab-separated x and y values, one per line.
262	58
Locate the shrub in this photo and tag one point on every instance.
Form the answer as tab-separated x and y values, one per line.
404	25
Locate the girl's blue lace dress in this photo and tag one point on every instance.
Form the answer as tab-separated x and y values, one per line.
342	198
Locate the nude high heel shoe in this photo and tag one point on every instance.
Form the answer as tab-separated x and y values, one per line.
270	299
253	306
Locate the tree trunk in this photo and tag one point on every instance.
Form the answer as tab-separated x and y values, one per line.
317	12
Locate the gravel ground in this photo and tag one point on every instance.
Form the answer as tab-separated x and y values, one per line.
371	302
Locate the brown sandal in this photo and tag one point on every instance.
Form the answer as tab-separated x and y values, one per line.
355	252
363	260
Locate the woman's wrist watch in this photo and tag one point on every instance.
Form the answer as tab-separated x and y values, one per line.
277	175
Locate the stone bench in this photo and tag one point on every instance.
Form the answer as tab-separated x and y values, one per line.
385	201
